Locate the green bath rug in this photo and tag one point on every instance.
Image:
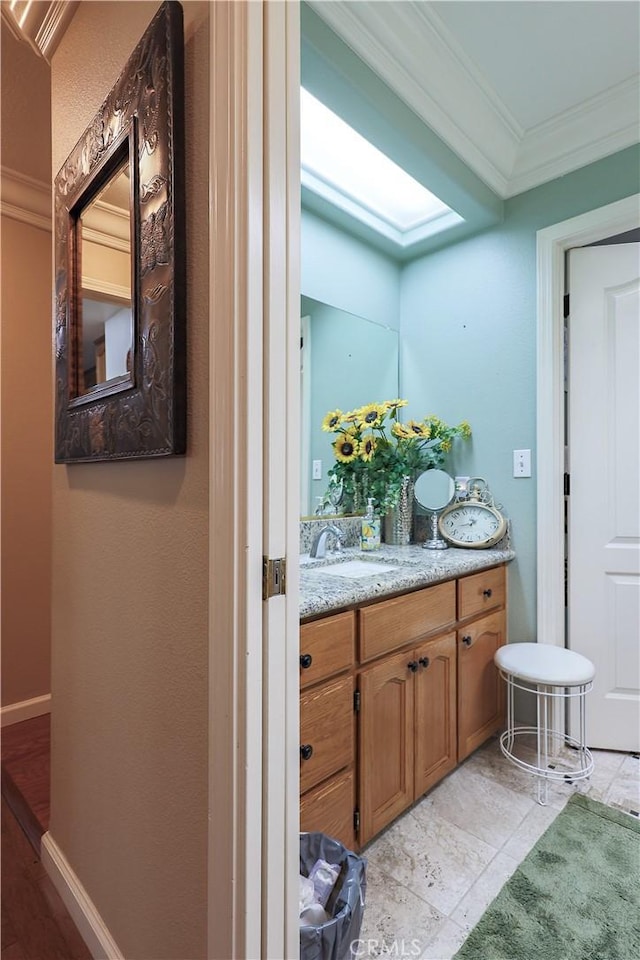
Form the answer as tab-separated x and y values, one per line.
576	896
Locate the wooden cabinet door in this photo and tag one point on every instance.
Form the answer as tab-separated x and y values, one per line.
435	742
386	742
480	689
326	730
330	809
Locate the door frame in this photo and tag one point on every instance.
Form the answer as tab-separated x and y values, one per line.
552	244
254	393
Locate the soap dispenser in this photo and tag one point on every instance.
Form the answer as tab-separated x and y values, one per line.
370	532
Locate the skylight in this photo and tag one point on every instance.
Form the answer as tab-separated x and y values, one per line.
347	170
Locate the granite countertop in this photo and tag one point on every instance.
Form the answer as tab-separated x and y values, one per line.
413	567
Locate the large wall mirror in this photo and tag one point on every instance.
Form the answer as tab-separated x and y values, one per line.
120	312
106	305
346	361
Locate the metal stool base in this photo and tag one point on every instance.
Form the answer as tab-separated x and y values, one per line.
548	741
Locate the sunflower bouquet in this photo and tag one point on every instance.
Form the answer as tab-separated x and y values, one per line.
375	451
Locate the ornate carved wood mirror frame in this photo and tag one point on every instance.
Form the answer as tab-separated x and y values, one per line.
134	407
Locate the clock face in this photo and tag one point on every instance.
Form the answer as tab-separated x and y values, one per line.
472	525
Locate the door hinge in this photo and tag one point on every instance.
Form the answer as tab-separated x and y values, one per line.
566	305
274	577
356	701
356	820
567	484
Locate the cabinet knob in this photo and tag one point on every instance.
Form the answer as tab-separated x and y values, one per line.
306	751
424	661
466	641
413	665
487	593
305	660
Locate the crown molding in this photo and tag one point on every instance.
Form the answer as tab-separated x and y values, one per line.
42	24
112	291
410	48
423	67
108	225
594	129
25	199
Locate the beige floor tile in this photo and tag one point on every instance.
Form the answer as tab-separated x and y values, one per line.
624	790
396	922
435	870
483	892
432	857
446	943
477	804
529	832
491	763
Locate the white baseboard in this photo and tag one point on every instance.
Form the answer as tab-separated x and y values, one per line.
25	709
82	910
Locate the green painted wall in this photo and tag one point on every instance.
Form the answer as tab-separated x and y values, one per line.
467	320
468	346
352	294
345	272
353	361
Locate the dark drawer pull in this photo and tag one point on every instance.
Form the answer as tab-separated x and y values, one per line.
306	751
487	593
424	661
305	660
467	641
413	665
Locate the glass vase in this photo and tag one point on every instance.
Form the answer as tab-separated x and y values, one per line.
398	521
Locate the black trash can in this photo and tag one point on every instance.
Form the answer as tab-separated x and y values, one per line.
333	939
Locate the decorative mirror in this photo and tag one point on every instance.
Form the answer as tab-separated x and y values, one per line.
434	490
120	318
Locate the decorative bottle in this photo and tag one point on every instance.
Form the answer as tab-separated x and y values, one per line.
370	531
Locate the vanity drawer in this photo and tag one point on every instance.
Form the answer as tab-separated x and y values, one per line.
326	730
330	645
391	624
329	808
480	592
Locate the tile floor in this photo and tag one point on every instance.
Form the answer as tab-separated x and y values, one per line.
434	871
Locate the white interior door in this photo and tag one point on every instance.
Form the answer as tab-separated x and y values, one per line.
604	503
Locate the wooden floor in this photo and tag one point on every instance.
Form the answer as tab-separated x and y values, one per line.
35	922
26	750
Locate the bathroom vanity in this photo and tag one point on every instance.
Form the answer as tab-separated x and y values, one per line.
397	682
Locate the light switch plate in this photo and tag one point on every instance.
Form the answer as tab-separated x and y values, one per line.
522	463
317	469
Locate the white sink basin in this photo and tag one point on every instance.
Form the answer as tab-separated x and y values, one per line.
356	569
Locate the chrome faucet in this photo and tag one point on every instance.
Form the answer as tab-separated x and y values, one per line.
319	546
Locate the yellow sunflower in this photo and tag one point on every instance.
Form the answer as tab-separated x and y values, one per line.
390	404
352	417
367	447
332	421
371	414
420	430
401	431
346	448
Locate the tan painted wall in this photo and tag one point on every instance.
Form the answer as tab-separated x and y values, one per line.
27	461
25	109
129	752
25	400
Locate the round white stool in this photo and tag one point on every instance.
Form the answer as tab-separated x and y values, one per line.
554	675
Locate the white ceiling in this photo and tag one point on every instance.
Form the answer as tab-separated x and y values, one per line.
522	90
